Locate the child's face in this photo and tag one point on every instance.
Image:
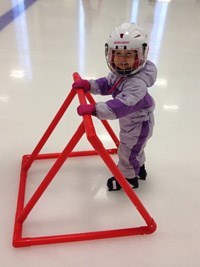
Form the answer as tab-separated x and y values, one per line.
124	59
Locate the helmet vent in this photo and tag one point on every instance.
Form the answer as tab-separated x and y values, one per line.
121	35
137	35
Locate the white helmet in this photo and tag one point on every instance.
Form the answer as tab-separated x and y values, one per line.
127	36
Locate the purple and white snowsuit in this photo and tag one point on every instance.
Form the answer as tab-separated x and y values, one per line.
133	106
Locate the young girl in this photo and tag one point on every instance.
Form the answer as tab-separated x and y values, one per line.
131	74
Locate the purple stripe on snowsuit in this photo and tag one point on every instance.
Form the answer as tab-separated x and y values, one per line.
138	146
103	85
121	110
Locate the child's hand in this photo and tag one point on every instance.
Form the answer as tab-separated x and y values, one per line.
86	109
81	84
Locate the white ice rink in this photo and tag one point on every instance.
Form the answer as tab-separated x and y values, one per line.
42	42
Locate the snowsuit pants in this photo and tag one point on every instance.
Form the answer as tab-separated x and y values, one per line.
133	139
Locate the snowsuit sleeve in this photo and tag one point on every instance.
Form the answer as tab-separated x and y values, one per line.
133	98
129	97
102	86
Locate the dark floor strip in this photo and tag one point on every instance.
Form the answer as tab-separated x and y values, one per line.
15	12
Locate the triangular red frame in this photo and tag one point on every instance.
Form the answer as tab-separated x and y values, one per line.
87	127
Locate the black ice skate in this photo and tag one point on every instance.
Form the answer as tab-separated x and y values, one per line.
142	173
113	184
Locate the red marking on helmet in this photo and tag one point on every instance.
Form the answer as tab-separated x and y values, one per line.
121	42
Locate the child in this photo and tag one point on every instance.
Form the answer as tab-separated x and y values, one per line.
131	73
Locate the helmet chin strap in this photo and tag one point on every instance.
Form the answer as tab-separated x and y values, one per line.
124	72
